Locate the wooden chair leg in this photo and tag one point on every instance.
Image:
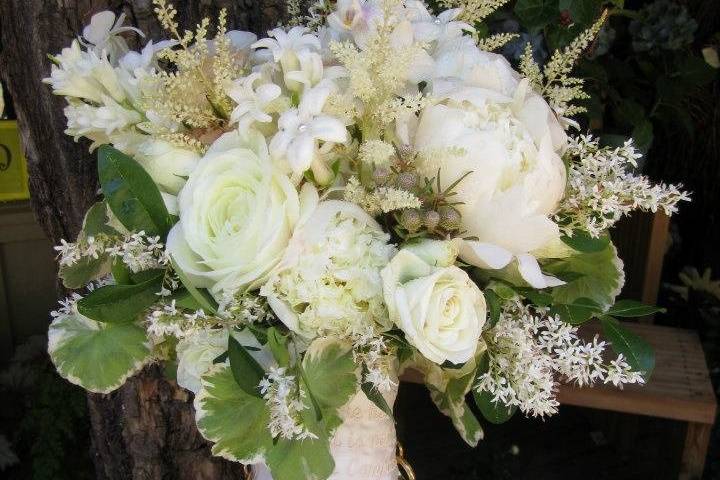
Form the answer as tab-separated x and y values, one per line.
697	439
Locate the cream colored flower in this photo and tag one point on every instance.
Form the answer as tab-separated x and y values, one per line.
237	214
437	306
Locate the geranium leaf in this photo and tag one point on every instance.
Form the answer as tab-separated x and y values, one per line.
632	308
131	193
638	353
601	280
231	418
83	271
329	371
120	303
97	356
309	458
88	268
583	242
245	369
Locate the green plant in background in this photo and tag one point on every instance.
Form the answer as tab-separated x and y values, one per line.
47	418
645	73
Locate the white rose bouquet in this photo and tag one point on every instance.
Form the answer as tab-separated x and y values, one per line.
293	221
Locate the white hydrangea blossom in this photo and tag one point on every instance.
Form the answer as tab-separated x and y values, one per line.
530	352
285	401
333	286
602	187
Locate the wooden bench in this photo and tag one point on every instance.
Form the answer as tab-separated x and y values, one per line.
679	389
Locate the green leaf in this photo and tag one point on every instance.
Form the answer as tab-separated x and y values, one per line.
245	369
235	421
584	12
448	388
494	412
120	272
330	372
307	459
638	353
375	396
96	221
278	345
97	356
695	71
536	14
643	135
601	277
84	271
131	194
120	303
201	296
578	312
541	299
632	308
583	242
494	307
87	268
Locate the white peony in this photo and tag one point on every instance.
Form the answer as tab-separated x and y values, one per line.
197	351
329	280
237	214
494	126
435	303
168	165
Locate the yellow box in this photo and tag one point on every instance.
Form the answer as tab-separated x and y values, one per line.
13	167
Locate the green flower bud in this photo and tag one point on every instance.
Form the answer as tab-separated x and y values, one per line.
449	218
407	180
411	220
381	175
431	219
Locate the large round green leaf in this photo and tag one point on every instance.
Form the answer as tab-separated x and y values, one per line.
233	420
600	277
97	356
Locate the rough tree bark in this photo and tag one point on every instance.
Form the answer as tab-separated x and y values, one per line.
145	430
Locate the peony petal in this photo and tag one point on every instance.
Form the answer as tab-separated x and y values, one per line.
529	269
484	255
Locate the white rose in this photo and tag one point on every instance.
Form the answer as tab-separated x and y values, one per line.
168	165
197	351
437	306
237	213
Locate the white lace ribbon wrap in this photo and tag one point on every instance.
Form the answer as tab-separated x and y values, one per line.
363	447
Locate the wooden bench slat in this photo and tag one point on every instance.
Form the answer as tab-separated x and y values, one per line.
679	387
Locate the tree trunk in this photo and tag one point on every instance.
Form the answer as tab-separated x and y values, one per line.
146	429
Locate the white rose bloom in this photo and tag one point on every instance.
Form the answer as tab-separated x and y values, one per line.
328	283
237	214
196	352
436	304
168	165
493	125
